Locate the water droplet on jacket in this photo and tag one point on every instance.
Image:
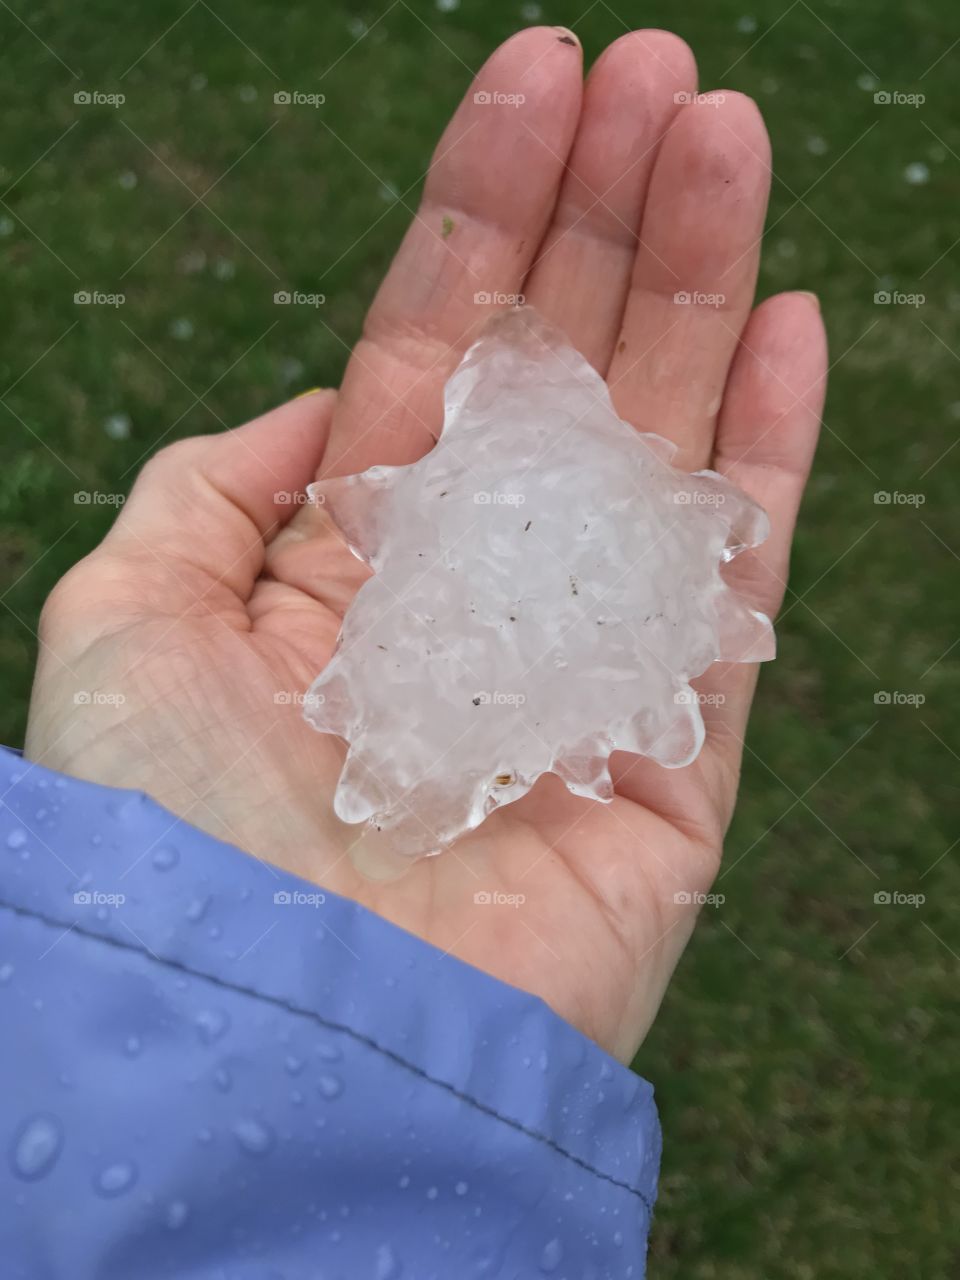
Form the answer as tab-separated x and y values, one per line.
618	1239
293	1064
606	1071
166	857
552	1255
17	838
36	1147
176	1215
6	972
404	1182
461	1188
329	1053
133	1046
198	909
117	1178
204	1136
223	1079
41	814
388	1267
432	1193
211	1023
96	840
330	1086
254	1136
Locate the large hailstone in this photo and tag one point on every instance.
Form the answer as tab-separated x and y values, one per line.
545	586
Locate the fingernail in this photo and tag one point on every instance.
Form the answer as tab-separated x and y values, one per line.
565	36
805	293
312	392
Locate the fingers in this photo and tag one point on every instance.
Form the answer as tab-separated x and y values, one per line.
581	274
765	443
695	272
205	506
489	196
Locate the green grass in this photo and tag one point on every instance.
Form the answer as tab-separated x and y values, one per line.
806	1055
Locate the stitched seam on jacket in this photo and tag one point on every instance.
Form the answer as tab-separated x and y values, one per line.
331	1025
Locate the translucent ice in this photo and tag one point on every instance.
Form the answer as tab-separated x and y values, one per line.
545	586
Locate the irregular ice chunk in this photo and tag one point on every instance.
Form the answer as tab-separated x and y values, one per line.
545	586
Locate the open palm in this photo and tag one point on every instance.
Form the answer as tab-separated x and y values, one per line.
628	210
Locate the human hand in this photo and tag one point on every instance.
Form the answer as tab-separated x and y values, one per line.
210	603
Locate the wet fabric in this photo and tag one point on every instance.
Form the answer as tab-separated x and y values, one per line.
213	1070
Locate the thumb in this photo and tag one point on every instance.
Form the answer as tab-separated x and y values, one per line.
208	505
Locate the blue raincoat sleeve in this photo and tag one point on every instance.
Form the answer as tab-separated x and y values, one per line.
211	1070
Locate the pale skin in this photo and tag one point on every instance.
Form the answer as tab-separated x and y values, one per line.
208	598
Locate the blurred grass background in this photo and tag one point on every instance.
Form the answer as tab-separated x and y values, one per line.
806	1057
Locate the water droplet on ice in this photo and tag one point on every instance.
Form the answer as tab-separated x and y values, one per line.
253	1136
117	1178
36	1147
